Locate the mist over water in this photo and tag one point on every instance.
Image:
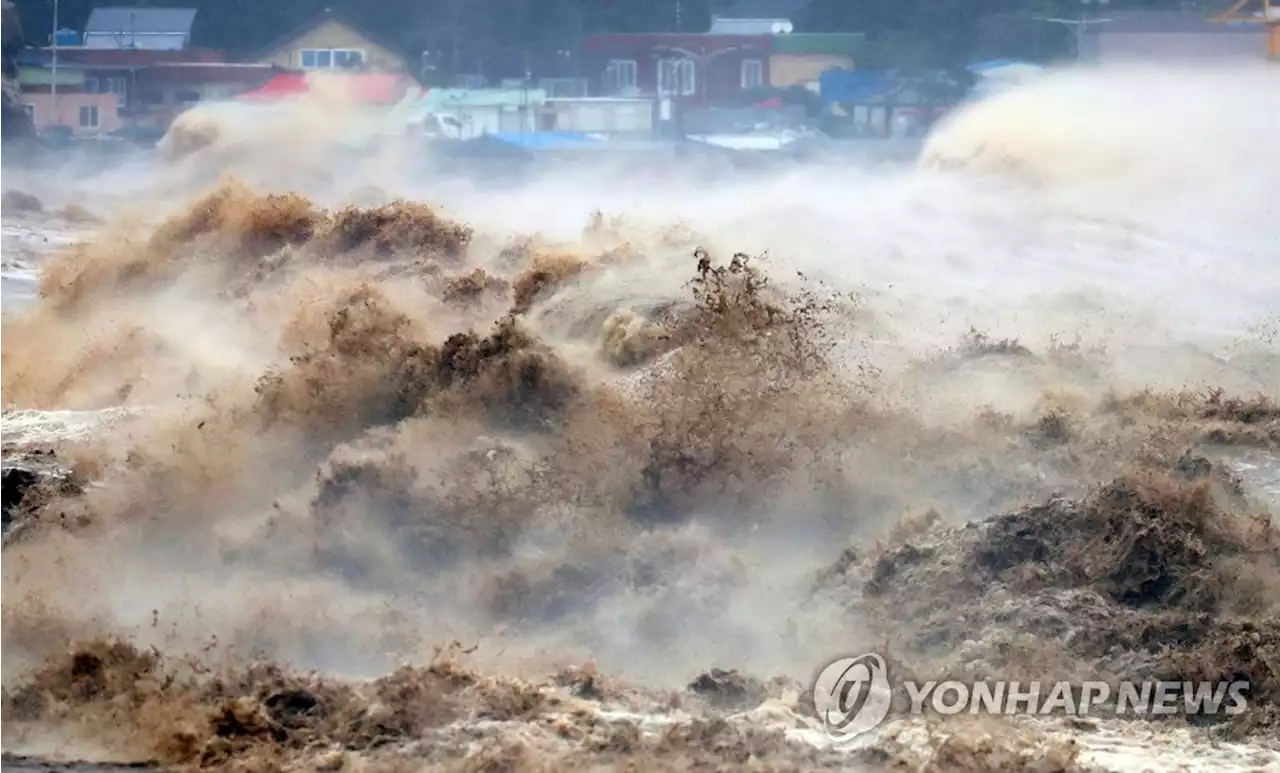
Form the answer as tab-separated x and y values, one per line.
353	411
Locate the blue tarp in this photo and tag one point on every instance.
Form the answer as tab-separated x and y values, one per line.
852	86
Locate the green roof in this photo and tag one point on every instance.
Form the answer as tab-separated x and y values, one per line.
43	76
835	43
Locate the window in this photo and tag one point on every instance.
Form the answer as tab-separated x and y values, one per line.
620	77
348	59
314	58
752	74
677	76
105	85
331	58
89	116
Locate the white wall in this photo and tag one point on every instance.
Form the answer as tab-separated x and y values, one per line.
603	116
1176	48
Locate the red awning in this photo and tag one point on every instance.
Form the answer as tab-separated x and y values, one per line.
365	88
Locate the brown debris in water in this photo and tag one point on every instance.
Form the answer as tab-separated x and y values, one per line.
514	379
101	671
629	339
246	224
475	505
1150	576
743	405
401	226
1143	540
374	369
546	274
978	344
251	237
231	228
238	713
748	398
473	287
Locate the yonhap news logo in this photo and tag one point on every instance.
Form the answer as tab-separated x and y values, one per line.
853	695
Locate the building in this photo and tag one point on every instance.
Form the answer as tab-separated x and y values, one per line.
473	113
800	59
750	46
710	69
618	117
154	29
70	104
118	87
692	69
1173	37
330	42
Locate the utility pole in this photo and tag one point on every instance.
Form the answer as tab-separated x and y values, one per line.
1079	24
53	83
700	62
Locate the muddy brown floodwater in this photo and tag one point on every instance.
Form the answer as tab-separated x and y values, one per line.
304	475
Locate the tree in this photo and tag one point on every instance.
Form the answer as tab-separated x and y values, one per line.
14	121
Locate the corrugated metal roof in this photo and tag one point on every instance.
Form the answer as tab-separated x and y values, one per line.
765	9
737	26
140	20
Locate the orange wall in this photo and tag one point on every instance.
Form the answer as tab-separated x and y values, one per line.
68	111
800	69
